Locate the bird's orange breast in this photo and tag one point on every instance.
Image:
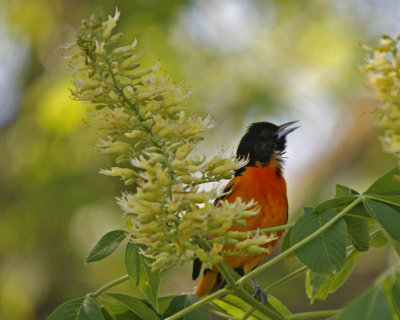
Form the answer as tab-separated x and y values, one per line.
264	186
268	189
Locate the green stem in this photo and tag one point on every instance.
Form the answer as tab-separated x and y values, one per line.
287	278
226	273
242	294
277	228
286	253
110	285
315	314
199	303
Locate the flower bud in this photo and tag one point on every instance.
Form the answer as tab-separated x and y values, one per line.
130	63
380	80
116	171
253	249
100	50
109	25
200	253
136	134
115	38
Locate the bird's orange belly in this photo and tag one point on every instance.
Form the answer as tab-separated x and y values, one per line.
268	190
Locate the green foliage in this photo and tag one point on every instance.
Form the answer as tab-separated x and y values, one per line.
379	302
358	230
319	286
327	253
135	305
235	307
180	302
143	278
79	309
106	245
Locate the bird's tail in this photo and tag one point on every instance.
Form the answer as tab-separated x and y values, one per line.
207	282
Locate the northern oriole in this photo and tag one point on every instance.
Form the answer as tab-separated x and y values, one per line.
260	180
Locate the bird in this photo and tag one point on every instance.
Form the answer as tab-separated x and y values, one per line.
261	180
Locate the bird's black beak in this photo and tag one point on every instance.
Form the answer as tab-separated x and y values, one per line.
284	129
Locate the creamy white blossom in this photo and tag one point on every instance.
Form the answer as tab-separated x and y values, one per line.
141	118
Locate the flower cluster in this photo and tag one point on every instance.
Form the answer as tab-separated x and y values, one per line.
383	70
141	118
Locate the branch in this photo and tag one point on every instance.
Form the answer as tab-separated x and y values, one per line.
109	285
292	249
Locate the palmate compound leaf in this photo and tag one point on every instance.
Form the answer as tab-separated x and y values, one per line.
143	278
326	253
319	286
78	309
106	245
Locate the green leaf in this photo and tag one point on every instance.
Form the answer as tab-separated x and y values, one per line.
79	309
136	305
394	200
319	286
198	314
358	230
335	203
386	216
326	253
396	295
359	210
180	302
106	245
279	306
143	278
119	311
378	239
106	314
372	305
342	191
308	209
164	302
236	307
390	182
286	242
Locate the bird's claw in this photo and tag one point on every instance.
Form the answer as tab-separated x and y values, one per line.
259	291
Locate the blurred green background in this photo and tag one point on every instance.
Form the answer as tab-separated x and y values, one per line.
246	60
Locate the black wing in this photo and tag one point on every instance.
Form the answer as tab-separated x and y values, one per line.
196	268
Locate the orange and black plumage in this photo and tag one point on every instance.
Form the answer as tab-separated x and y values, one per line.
262	181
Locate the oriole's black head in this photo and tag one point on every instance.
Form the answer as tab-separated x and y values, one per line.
264	141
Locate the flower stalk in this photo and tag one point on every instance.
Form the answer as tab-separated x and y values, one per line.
142	121
383	70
